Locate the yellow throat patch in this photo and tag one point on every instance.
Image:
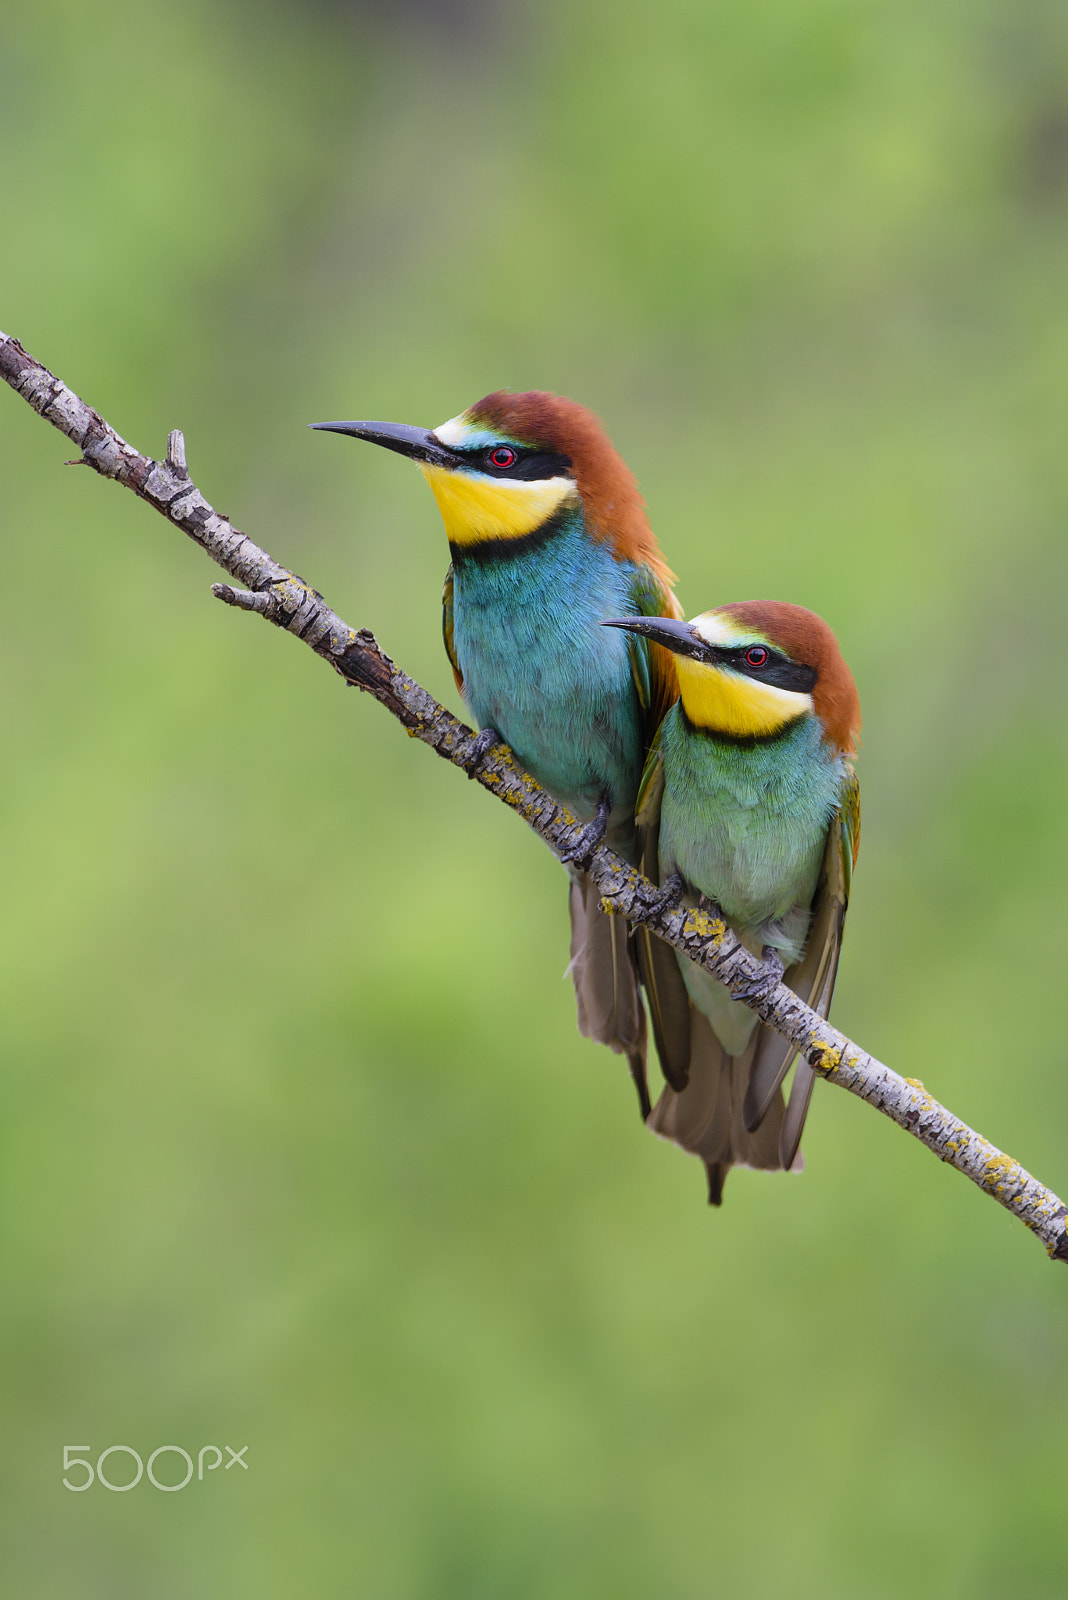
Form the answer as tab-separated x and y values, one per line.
475	509
730	703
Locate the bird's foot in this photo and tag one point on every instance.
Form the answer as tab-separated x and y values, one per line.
764	985
481	746
671	892
585	841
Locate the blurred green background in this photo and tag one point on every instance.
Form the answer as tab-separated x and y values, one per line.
301	1148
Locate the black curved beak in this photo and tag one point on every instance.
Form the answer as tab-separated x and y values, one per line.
673	635
417	443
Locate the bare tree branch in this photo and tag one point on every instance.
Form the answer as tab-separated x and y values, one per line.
286	600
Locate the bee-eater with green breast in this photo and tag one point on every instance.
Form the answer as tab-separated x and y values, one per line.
749	799
548	534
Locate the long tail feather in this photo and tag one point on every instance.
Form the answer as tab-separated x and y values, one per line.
707	1116
796	1112
605	974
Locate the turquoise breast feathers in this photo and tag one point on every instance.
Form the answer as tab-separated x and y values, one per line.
536	666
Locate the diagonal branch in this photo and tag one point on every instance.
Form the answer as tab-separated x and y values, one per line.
286	600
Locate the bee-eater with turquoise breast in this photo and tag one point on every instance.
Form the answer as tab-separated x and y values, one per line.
749	800
548	535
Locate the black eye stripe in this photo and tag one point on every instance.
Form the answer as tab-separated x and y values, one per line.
778	670
529	465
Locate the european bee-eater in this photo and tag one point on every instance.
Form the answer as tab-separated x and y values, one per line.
749	799
548	535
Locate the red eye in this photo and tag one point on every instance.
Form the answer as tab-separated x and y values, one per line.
502	456
756	656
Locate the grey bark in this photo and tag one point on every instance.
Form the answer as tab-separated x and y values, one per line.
283	598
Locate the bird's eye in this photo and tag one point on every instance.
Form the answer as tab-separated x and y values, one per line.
502	456
756	656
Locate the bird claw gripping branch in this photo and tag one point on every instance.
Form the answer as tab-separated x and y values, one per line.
752	990
586	839
671	892
481	746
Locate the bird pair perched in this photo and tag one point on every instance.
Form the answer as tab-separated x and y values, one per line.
713	754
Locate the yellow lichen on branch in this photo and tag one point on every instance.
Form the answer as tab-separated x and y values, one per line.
700	924
825	1058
